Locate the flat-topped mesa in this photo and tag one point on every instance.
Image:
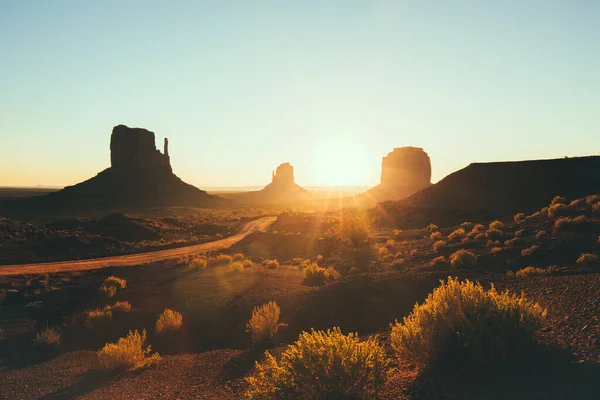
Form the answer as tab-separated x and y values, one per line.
406	167
135	148
283	176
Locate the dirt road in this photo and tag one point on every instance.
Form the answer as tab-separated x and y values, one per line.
140	258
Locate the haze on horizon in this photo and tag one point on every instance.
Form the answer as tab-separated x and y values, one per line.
239	87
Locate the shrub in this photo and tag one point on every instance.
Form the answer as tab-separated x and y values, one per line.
497	225
390	245
480	236
457	234
127	353
438	260
354	229
48	336
436	236
264	323
513	242
488	326
121	306
541	235
316	274
478	228
519	217
238	257
530	251
397	233
199	263
466	225
224	259
496	250
533	271
463	259
433	228
558	200
109	291
322	365
98	317
247	263
169	321
557	210
588	259
112	284
576	203
592	199
494	233
272	264
439	245
596	206
236	266
519	233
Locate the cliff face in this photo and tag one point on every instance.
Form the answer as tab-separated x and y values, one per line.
404	171
135	148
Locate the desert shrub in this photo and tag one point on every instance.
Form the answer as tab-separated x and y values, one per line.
272	264
596	206
238	257
112	284
465	240
169	321
530	250
462	317
496	225
480	236
98	317
354	229
224	259
513	242
436	236
315	274
390	245
439	245
519	233
466	225
398	264
397	233
457	234
322	365
433	228
478	228
236	266
247	263
438	260
494	233
557	210
463	259
534	271
519	217
199	263
127	353
264	323
496	250
48	336
121	306
413	252
558	200
588	259
541	235
576	203
592	199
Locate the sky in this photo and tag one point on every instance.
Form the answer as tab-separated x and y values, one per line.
239	87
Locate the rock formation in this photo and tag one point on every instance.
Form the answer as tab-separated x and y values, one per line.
139	176
404	171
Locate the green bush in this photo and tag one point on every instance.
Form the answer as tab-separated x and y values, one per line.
322	365
461	317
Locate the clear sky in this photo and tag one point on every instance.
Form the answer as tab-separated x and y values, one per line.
239	87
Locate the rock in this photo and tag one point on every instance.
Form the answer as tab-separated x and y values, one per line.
283	176
136	148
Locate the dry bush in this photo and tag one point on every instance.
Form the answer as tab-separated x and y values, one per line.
596	207
413	252
466	225
494	234
530	251
128	353
272	264
480	236
315	274
463	259
465	240
592	199
264	323
558	200
224	259
438	260
461	317
534	271
48	336
557	210
322	365
433	228
478	228
588	259
247	263
121	306
199	263
112	284
541	235
238	257
439	245
519	233
514	242
168	321
576	203
236	266
436	236
519	217
98	317
457	234
496	225
353	229
109	291
397	233
497	250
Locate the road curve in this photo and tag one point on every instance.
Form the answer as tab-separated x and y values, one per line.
139	258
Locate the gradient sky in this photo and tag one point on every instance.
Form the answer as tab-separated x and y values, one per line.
331	86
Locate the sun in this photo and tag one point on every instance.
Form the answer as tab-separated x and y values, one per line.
341	163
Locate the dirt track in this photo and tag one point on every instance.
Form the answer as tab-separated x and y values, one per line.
139	258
